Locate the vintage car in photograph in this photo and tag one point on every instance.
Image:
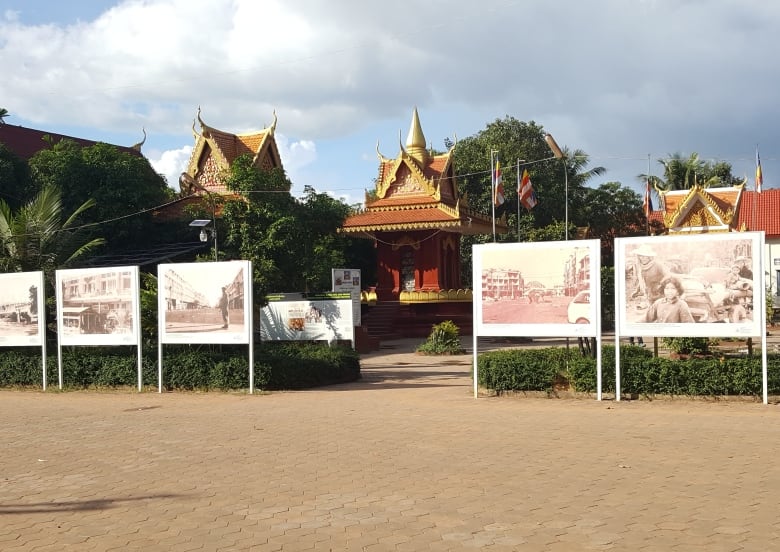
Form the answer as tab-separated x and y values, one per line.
578	311
707	295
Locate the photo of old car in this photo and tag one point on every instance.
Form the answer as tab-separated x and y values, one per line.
578	311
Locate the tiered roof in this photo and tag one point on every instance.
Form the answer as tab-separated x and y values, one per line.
417	191
216	150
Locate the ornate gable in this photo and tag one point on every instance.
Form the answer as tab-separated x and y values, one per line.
701	209
215	151
418	191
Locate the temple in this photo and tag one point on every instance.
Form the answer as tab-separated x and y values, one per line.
416	218
215	151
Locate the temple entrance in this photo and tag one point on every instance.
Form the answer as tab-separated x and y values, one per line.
408	282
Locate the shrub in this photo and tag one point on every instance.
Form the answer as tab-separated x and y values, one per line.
687	345
223	367
444	339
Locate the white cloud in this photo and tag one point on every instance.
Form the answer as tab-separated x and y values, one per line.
171	164
618	79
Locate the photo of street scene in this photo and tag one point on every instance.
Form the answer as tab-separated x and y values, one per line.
97	306
203	302
21	296
690	280
536	284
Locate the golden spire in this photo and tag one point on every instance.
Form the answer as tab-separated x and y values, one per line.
415	141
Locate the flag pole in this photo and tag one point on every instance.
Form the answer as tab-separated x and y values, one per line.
493	191
756	190
647	185
518	200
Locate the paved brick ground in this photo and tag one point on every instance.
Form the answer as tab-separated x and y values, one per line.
404	460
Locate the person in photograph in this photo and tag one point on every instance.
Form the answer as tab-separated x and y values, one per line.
744	269
650	273
224	301
738	312
735	282
671	308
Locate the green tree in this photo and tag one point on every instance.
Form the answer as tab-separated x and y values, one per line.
514	140
681	173
3	114
16	186
36	238
613	211
293	244
123	185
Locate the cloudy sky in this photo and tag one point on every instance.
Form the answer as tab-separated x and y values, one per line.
627	81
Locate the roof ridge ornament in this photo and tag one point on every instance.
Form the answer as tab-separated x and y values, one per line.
137	147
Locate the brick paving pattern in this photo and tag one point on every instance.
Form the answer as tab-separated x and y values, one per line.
403	460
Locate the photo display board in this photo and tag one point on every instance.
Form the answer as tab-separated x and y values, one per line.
692	285
348	280
305	317
98	306
204	302
21	300
537	289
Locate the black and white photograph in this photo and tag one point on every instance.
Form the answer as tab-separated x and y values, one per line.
544	288
21	299
690	285
97	306
204	302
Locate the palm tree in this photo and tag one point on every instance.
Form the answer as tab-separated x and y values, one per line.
681	173
3	114
36	238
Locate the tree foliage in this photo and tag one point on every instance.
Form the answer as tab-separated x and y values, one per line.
15	183
37	238
293	244
681	173
121	184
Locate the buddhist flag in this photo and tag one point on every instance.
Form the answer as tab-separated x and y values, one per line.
759	174
498	186
647	205
525	191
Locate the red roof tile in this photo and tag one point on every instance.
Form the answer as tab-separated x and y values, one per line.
760	212
26	142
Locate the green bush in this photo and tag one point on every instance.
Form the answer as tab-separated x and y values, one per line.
444	339
223	367
641	373
687	345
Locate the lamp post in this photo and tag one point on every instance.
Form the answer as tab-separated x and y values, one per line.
204	232
187	181
560	155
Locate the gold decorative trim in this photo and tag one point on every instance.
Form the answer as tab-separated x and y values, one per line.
406	240
438	296
686	205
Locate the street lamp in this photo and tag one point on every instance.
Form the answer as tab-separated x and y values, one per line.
204	232
556	151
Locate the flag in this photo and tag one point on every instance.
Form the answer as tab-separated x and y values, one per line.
498	186
525	191
759	175
647	205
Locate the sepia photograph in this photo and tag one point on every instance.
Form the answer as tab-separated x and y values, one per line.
690	285
21	299
204	302
97	306
537	289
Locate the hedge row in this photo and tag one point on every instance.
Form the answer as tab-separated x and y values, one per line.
222	367
640	372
